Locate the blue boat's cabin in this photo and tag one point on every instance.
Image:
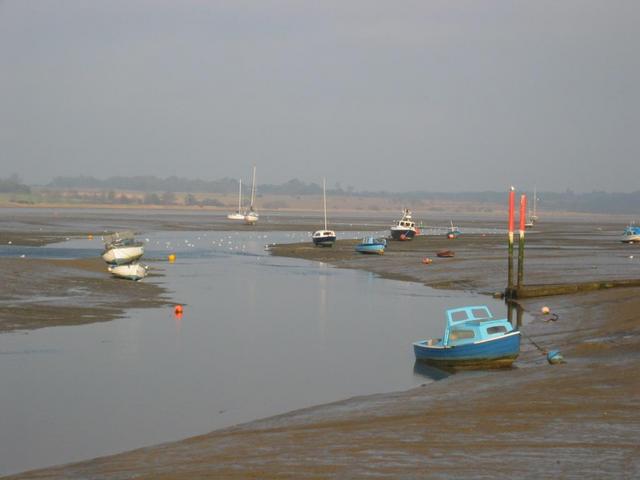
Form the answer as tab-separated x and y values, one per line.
472	324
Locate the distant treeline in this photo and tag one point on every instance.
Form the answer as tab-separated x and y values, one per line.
177	184
13	184
595	202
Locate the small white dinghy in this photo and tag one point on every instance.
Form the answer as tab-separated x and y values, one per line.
132	271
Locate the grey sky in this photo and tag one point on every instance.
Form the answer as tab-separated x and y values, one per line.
434	95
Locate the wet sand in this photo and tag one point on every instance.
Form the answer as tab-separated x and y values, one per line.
577	420
39	293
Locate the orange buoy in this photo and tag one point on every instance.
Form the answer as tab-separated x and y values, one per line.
90	237
426	260
172	257
178	310
545	310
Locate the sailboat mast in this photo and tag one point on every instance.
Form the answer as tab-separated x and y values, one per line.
239	195
253	187
324	196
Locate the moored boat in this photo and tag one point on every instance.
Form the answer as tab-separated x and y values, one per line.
251	215
405	228
472	338
324	238
446	254
131	271
238	215
454	232
121	248
372	245
631	234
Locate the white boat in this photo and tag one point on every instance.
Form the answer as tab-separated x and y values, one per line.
405	228
124	254
251	216
238	215
324	238
532	218
121	248
132	271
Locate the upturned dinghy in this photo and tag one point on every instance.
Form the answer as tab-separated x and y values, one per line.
132	271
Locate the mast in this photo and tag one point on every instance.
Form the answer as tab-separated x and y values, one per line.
324	196
239	195
535	199
253	188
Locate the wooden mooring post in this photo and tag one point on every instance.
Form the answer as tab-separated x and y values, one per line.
509	291
523	213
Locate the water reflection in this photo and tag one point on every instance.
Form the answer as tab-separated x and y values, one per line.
430	372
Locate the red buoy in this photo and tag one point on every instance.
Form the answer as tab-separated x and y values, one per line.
178	309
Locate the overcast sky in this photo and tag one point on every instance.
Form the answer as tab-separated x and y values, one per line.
399	95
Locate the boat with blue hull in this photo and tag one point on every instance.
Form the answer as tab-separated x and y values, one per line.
631	234
372	245
473	338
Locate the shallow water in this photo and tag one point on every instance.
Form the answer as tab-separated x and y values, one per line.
259	336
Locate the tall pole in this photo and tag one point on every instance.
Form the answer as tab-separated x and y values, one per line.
512	194
523	209
324	196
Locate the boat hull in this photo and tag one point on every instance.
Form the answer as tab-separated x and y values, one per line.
402	234
494	353
327	241
630	239
132	271
122	255
251	218
235	216
379	249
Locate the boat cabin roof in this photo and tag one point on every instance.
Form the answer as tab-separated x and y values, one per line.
465	314
632	230
472	324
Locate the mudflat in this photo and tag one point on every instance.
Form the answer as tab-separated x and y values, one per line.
576	420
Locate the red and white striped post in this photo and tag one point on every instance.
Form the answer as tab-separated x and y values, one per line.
512	194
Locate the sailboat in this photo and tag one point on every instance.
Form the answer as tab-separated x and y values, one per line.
324	238
251	216
238	215
532	219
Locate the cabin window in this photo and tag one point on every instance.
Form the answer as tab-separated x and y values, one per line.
498	329
480	313
457	316
461	334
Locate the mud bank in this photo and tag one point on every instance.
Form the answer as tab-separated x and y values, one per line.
39	293
576	420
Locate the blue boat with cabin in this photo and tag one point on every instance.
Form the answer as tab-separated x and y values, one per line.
372	245
472	338
631	234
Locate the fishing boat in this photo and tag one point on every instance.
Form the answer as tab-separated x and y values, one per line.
454	232
405	228
238	215
631	234
251	215
121	248
132	271
372	245
472	338
324	238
